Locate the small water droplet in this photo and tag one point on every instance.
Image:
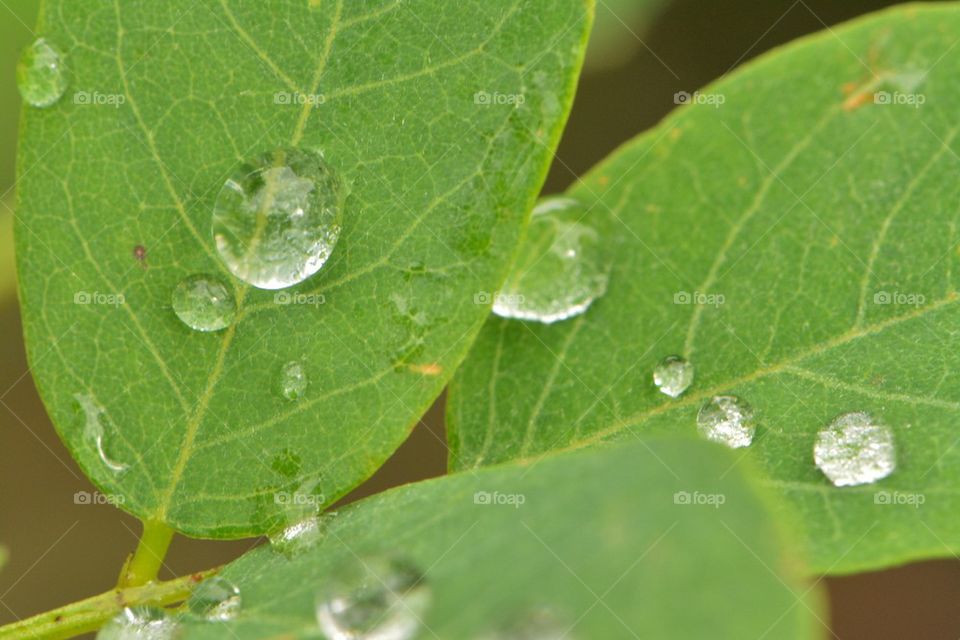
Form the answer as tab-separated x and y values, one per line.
215	599
40	74
855	449
204	303
541	623
277	219
294	380
560	269
373	598
673	376
727	420
139	623
94	430
298	536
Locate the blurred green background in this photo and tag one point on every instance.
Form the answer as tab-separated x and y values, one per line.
644	51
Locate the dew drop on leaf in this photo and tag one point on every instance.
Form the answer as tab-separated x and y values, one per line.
727	420
215	599
139	623
373	598
673	376
293	380
277	218
298	536
95	430
40	74
559	270
855	449
204	303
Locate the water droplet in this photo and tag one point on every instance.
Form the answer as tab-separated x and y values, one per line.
373	598
294	381
727	420
40	74
560	269
855	449
139	623
277	219
216	599
298	537
673	376
204	303
541	623
94	430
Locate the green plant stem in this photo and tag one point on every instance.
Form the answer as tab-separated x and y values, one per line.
145	564
91	614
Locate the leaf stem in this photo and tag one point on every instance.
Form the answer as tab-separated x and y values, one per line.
92	613
145	564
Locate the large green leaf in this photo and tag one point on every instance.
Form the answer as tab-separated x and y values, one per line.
617	553
406	102
797	243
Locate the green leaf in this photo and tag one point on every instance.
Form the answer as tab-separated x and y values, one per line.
619	30
603	539
395	96
797	243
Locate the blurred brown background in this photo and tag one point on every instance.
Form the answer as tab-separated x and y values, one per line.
61	551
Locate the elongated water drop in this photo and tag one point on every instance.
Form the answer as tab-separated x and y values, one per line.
277	219
293	381
373	598
139	623
215	599
40	74
560	269
95	432
673	376
541	623
204	303
855	449
727	420
298	537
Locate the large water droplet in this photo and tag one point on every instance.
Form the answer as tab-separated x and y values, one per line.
727	420
541	623
855	449
673	376
215	599
373	599
560	269
293	381
139	623
297	537
40	74
95	432
204	303
277	219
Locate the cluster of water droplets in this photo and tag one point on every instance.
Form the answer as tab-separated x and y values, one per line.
560	268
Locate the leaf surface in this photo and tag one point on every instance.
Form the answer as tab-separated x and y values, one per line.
165	100
611	555
794	235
